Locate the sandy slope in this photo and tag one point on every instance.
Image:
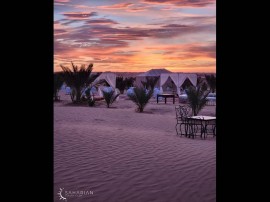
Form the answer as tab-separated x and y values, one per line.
122	155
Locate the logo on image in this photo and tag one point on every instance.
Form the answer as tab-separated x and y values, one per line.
69	194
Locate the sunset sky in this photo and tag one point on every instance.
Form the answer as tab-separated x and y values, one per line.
136	35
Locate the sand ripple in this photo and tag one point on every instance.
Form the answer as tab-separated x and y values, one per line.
125	156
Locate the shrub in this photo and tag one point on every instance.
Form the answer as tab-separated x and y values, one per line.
196	98
109	96
150	82
141	97
89	97
77	78
120	84
211	81
129	81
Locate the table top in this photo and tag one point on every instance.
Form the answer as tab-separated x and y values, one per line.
206	118
165	94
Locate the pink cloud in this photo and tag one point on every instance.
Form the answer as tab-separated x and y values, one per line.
76	15
182	3
158	38
129	7
189	51
117	6
61	1
188	57
101	21
137	8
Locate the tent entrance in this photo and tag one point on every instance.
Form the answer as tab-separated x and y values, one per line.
169	86
187	83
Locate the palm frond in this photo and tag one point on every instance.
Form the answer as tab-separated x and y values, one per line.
211	81
141	97
196	98
109	97
150	82
114	98
120	84
129	81
77	78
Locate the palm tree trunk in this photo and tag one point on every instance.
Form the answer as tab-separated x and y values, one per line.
78	95
194	112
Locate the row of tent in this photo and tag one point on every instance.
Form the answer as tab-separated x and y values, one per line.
166	79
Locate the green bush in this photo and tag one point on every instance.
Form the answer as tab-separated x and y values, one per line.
129	81
109	97
89	98
77	78
91	102
120	84
141	97
196	98
211	81
150	82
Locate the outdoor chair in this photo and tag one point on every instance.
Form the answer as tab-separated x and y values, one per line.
211	128
181	120
195	128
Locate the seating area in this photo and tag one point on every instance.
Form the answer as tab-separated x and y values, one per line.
192	126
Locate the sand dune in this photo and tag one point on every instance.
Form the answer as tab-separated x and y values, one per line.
125	156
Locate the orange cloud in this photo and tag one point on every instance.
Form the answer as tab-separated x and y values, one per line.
116	6
181	3
122	37
77	15
142	58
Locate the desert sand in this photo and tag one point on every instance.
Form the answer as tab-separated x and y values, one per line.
124	156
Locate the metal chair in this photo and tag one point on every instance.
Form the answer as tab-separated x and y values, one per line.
195	128
212	129
181	120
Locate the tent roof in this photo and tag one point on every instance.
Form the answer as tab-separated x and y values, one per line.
109	77
154	72
178	79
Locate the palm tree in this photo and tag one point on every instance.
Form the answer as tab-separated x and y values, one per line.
196	98
109	97
150	82
120	84
78	78
187	83
129	81
202	83
211	81
141	97
58	82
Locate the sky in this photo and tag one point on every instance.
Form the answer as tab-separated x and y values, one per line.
136	35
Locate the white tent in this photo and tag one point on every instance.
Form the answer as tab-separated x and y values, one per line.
178	79
109	77
150	73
